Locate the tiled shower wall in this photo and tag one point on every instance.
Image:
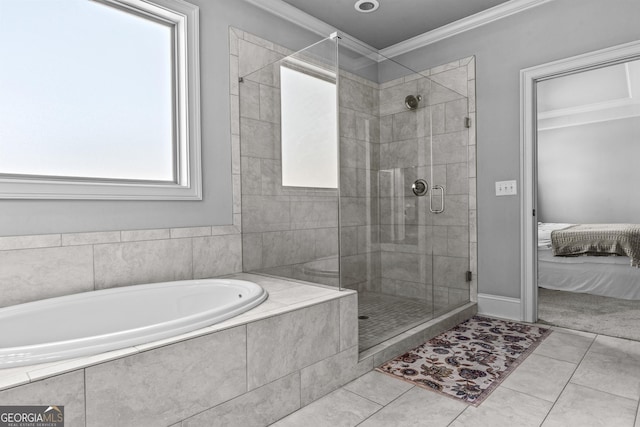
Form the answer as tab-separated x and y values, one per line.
417	246
287	231
387	234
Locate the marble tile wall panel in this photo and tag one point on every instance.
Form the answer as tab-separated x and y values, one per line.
250	100
354	269
180	233
348	322
456	213
251	176
450	148
399	154
454	79
260	407
252	57
217	255
269	104
259	139
8	243
326	240
288	247
458	241
265	213
66	390
92	238
357	96
354	211
134	235
314	212
123	264
33	274
331	373
457	181
411	267
403	288
283	344
449	272
392	98
168	384
455	113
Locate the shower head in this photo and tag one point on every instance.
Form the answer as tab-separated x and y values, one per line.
411	101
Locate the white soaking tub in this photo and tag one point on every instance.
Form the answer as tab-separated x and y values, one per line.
94	322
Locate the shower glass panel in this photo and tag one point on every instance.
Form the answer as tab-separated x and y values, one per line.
397	130
289	161
407	255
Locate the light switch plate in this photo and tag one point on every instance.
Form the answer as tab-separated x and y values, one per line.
506	188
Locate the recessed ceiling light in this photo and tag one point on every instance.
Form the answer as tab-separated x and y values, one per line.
367	6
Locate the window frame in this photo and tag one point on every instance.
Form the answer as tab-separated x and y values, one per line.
187	184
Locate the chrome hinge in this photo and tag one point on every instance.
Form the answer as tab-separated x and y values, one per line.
468	275
467	122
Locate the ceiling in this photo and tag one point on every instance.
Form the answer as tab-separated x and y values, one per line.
395	20
598	95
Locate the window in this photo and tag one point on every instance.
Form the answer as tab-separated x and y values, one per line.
309	127
99	100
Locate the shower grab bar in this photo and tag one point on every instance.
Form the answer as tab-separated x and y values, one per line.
434	188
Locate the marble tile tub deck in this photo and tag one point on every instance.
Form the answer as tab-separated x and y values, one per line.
277	355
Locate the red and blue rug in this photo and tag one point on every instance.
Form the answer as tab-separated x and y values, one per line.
469	361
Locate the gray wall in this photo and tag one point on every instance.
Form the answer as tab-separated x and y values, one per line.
21	217
587	174
555	30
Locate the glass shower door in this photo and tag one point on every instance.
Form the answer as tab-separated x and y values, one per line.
407	254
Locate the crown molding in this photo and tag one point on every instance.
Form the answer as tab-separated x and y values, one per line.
315	25
474	21
310	23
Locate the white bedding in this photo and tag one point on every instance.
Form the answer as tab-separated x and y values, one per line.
608	276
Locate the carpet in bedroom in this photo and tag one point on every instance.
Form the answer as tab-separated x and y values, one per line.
591	313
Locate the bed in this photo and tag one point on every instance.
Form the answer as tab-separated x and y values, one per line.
576	261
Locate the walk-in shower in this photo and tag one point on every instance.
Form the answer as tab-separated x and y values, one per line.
389	152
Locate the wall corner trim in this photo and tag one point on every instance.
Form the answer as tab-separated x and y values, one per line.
499	306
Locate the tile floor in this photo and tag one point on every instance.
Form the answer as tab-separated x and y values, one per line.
388	316
572	379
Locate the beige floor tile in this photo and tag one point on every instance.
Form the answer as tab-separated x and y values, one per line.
338	409
607	345
614	372
563	346
417	407
505	407
378	387
541	377
585	407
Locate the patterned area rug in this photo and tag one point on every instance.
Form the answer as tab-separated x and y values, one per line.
469	361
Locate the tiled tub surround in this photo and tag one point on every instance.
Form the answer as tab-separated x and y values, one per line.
45	266
297	346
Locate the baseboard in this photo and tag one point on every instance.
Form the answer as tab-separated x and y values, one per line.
498	306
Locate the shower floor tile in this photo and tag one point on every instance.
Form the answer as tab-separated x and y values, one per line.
388	316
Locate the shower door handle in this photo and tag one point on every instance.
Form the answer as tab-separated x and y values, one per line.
435	188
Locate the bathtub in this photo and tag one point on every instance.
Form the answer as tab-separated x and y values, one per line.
95	322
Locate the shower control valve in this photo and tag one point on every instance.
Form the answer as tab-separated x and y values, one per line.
420	187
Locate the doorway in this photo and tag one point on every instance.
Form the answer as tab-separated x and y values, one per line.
569	180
